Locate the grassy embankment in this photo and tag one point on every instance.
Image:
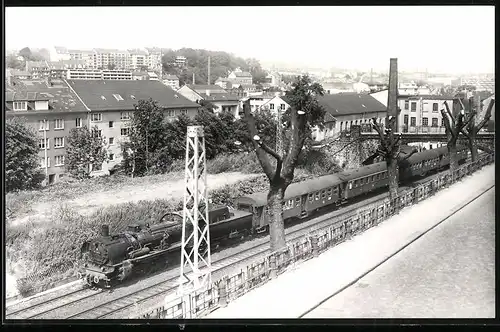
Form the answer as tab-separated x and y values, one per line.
46	228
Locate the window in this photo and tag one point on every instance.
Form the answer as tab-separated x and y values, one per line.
413	121
59	160
413	106
111	140
20	106
94	117
125	116
184	112
170	113
271	106
59	142
434	122
323	194
43	143
125	131
435	107
282	106
425	122
43	125
44	164
78	123
111	157
117	97
311	197
58	124
111	124
297	201
407	104
373	178
317	196
405	119
97	133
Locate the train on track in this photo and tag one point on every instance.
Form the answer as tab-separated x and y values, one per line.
112	258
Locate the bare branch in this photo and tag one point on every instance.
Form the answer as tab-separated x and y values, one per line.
379	130
465	133
269	150
487	116
450	116
261	154
448	121
298	127
409	155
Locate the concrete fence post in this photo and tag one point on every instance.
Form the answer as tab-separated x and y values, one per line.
272	266
314	245
222	292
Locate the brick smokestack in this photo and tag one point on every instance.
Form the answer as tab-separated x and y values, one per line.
392	98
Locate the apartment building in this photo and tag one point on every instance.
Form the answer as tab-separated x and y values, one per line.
52	111
98	74
220	98
419	113
171	81
138	58
241	77
111	104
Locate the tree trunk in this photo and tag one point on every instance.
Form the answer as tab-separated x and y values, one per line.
452	149
276	224
393	174
473	145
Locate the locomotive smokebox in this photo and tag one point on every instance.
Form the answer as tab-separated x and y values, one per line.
104	230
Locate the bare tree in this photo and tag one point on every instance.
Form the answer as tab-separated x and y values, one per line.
454	124
305	112
475	125
389	149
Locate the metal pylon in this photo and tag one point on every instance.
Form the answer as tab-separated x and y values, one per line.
195	226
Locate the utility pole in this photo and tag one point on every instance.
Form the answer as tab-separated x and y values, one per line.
195	225
208	70
45	144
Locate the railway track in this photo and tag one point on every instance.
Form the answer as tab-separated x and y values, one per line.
155	292
40	308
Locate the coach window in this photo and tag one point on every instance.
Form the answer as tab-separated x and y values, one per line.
317	195
329	191
373	178
297	201
311	197
323	194
350	185
290	203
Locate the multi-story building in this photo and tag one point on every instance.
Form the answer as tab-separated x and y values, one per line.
419	113
111	59
345	110
180	61
52	112
58	53
154	58
171	81
138	59
111	104
84	56
98	74
218	97
241	77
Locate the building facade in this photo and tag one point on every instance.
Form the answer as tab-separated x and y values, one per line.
98	74
241	77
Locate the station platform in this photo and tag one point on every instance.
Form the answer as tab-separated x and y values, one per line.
297	291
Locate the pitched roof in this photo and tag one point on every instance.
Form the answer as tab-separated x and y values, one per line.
201	88
100	94
350	103
220	97
61	98
170	77
242	74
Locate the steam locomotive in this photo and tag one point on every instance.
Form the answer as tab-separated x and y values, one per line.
110	258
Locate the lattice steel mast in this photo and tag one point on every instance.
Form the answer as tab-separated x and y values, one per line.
195	247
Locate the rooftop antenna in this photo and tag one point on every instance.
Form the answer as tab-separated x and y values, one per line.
195	242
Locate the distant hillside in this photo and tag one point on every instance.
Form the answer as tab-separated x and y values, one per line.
221	64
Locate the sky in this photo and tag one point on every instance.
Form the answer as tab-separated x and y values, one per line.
436	38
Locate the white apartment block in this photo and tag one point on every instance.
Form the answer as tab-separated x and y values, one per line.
97	74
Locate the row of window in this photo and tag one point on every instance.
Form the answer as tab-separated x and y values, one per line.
425	121
367	179
58	161
45	143
435	106
271	106
348	124
425	163
58	124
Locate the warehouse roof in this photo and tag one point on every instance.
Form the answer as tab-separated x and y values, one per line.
107	95
350	103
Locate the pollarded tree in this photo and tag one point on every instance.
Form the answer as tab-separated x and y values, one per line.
454	124
84	148
478	121
389	149
21	156
306	112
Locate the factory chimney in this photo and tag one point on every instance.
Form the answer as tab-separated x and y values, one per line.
392	98
208	71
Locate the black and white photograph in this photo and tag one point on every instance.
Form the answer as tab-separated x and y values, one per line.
171	163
